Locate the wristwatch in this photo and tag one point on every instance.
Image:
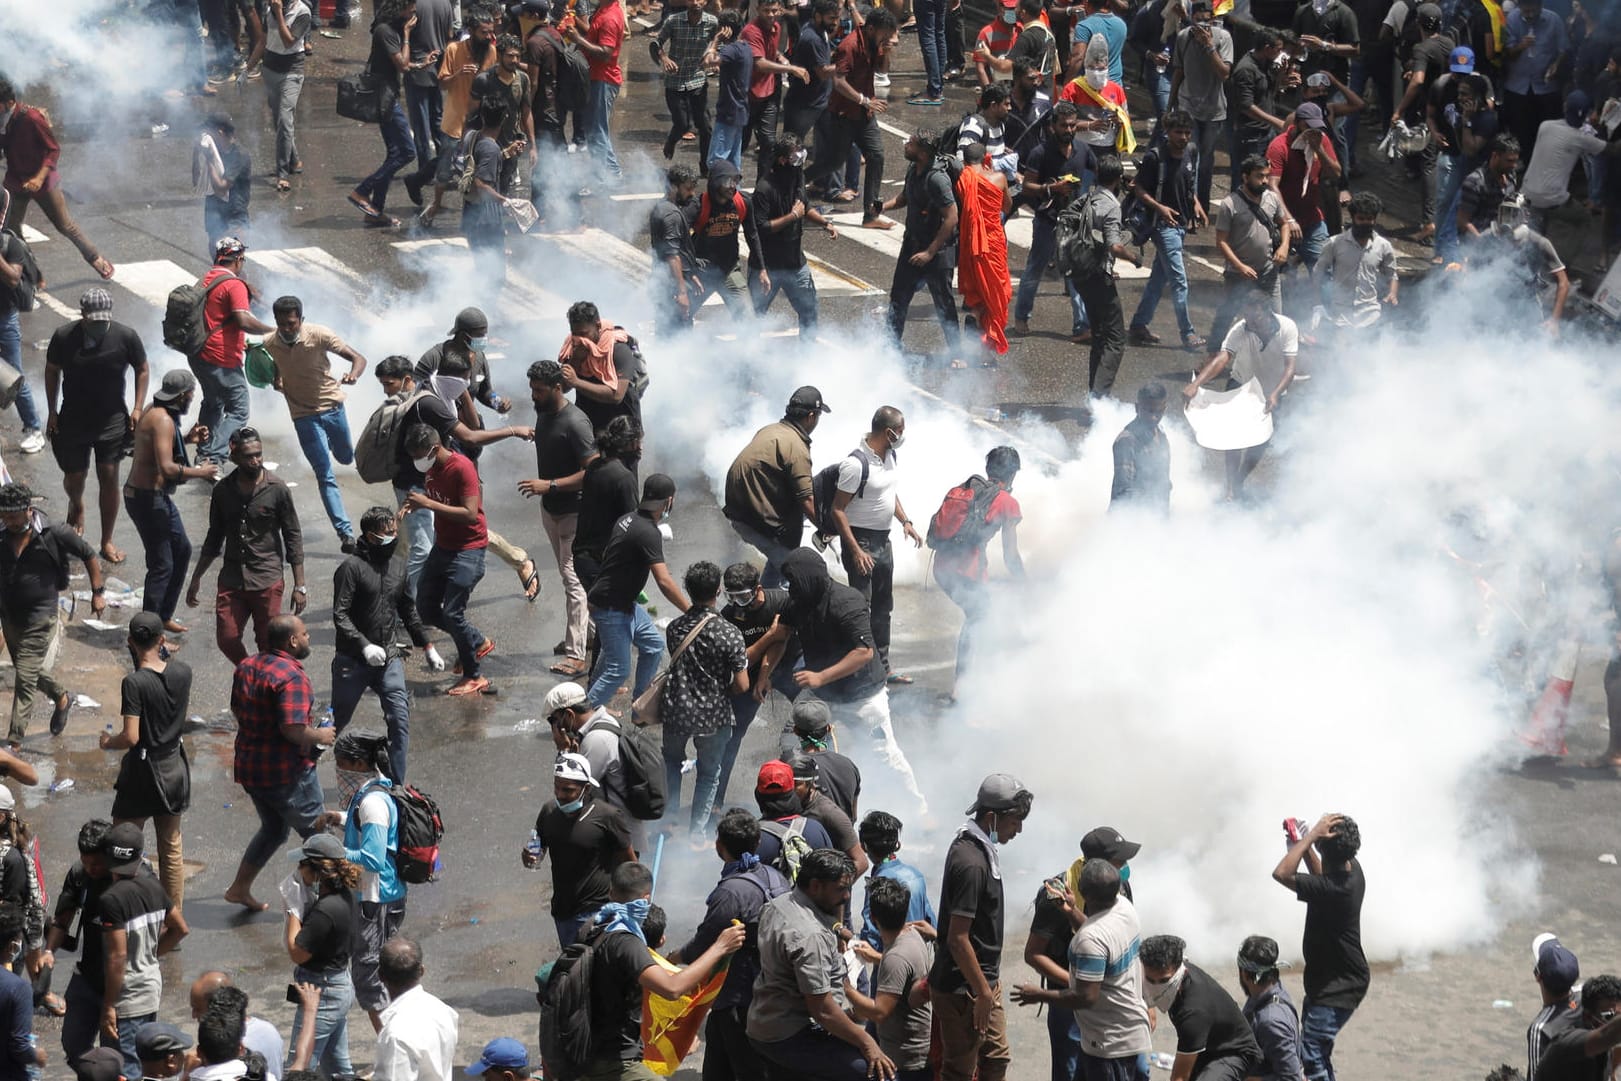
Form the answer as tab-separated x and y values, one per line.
97	591
301	589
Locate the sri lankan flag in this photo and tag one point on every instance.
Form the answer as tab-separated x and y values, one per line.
670	1027
1222	7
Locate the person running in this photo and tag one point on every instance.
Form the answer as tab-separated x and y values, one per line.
218	365
370	608
85	364
253	525
154	779
586	838
679	49
33	573
961	567
32	152
302	352
451	490
159	467
769	493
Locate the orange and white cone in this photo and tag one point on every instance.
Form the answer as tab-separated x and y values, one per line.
1547	732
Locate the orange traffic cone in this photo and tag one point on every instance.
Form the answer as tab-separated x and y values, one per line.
1548	716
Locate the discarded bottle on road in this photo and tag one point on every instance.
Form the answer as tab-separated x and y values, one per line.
58	787
1162	1060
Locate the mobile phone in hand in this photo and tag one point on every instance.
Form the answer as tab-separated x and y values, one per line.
293	996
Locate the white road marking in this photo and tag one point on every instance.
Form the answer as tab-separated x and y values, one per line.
56	305
34	236
532	301
153	280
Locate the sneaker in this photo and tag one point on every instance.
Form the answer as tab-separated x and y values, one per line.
33	441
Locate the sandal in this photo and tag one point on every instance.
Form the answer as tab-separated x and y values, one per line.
363	205
530	579
52	1004
571	667
896	679
381	221
475	685
284	185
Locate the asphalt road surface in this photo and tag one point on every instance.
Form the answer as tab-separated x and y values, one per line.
484	926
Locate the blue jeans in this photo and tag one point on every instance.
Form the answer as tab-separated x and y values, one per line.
1043	246
282	808
224	408
1205	135
931	35
726	143
1159	88
448	579
1319	1025
798	286
1064	1037
1313	241
11	351
326	436
1450	171
400	150
711	752
168	549
351	679
617	632
331	1020
599	114
768	546
1352	123
418	529
569	927
1167	267
82	1024
425	107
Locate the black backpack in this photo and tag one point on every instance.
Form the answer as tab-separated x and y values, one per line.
825	489
1082	249
19	254
565	1011
573	75
641	763
185	321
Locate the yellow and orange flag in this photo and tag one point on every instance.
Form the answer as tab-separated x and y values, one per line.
670	1027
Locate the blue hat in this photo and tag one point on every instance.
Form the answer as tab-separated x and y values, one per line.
504	1053
1462	60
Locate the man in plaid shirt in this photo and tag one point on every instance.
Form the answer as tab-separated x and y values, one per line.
679	51
276	747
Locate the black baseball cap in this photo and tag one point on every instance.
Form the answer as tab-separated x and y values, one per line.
656	489
805	401
1106	843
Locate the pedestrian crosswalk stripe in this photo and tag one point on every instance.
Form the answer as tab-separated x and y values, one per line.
530	299
153	280
34	236
314	271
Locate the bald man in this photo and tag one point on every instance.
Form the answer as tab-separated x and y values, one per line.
257	1035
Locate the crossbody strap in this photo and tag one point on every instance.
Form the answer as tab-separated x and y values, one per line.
692	634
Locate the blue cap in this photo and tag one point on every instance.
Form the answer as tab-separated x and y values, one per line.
504	1053
1462	60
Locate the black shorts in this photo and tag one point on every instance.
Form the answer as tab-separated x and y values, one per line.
75	440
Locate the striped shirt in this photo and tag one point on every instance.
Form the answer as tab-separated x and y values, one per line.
1543	1028
685	42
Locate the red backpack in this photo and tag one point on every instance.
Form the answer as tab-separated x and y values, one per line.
740	206
961	523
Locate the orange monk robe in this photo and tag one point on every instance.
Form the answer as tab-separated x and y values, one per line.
982	271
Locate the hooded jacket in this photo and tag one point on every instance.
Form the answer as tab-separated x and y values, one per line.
720	220
370	602
832	619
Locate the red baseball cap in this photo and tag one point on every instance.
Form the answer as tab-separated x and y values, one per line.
776	777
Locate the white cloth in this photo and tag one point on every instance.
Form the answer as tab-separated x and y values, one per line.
376	808
207	159
418	1039
874	508
1229	419
220	1071
1547	178
261	1036
1253	360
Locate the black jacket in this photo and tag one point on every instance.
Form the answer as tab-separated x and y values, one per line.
832	619
369	602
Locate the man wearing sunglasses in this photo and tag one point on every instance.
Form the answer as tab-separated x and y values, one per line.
1581	1049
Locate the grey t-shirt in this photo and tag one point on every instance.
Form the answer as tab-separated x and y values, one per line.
1246	229
904	1036
799	956
1104	951
1202	93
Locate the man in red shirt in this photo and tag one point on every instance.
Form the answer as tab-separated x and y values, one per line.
764	38
601	42
1296	161
852	112
961	567
218	367
31	152
456	564
998	37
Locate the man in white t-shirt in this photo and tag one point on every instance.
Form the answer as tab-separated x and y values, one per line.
866	502
1105	981
417	1039
257	1034
1261	346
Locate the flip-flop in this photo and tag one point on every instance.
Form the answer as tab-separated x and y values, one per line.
114	556
896	679
571	667
475	685
52	1004
363	205
284	185
530	580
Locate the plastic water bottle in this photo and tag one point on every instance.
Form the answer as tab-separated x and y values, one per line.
326	721
1162	1060
59	787
35	1071
534	848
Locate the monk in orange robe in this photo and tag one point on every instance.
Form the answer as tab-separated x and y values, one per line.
982	270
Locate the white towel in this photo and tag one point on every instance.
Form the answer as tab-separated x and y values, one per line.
206	161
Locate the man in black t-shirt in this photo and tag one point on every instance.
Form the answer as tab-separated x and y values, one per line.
1213	1041
634	551
965	982
929	243
1580	1041
84	373
669	226
811	732
1431	59
1052	173
586	839
779	204
397	376
73	926
603	366
390	55
1336	975
607	493
622	968
564	446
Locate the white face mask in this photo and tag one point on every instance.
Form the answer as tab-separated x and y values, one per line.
449	387
350	782
1319	6
1010	17
1160	996
422	465
1097	78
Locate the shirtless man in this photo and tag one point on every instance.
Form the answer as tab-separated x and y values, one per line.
160	467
